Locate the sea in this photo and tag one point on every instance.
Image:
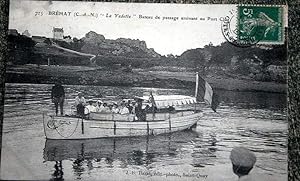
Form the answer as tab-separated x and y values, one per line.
255	120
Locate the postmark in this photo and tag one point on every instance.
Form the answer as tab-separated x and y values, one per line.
248	25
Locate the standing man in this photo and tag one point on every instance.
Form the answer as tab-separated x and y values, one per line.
58	97
139	111
80	104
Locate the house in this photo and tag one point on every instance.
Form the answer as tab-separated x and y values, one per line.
58	33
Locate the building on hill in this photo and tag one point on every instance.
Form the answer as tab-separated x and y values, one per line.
58	33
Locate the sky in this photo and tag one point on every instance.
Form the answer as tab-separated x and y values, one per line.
166	36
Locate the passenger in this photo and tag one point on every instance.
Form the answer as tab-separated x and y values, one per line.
115	108
99	106
139	112
129	106
105	108
80	104
123	109
90	108
133	105
110	106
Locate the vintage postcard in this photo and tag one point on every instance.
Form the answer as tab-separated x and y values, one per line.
136	91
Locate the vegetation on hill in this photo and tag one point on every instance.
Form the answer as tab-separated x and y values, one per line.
21	49
260	62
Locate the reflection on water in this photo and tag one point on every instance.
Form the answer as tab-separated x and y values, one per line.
254	120
58	173
257	100
142	151
87	155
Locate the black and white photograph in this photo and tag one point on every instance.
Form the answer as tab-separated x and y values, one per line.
137	91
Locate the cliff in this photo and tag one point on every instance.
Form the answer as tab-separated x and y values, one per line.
97	44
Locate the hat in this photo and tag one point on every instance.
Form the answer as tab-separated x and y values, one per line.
137	99
242	157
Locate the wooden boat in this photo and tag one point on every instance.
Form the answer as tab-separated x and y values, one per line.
99	125
102	125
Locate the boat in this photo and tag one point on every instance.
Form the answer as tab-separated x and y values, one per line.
163	120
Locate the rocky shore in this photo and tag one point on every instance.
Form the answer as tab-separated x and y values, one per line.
83	75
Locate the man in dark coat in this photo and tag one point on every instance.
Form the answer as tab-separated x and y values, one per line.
139	111
58	97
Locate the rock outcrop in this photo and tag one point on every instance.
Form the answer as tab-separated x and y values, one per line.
93	37
97	44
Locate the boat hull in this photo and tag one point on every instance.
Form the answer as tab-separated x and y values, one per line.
121	148
61	127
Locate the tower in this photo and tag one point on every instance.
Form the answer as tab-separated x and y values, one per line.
58	33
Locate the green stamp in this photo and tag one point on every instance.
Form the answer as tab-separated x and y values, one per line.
260	24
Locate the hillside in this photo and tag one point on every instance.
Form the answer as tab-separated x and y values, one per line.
260	62
39	50
225	61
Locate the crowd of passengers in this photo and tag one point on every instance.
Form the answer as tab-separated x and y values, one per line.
124	107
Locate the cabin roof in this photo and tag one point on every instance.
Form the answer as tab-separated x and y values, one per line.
170	100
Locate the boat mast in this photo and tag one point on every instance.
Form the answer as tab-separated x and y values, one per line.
197	84
196	90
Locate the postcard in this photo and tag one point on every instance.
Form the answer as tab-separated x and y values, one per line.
136	91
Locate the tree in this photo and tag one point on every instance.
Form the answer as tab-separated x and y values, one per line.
20	49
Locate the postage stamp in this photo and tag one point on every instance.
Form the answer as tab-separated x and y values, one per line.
253	24
261	23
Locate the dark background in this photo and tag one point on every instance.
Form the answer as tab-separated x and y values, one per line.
293	66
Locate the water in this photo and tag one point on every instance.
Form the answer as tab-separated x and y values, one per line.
253	120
